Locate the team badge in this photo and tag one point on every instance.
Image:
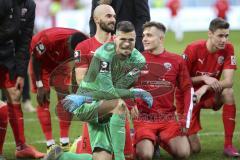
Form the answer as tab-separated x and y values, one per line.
168	66
104	67
220	60
40	48
233	60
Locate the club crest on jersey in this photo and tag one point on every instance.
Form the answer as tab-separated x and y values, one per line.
168	66
40	48
220	60
185	57
104	67
233	60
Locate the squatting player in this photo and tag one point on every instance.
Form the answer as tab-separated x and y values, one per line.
105	20
208	60
114	67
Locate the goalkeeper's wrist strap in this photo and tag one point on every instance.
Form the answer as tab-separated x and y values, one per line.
39	84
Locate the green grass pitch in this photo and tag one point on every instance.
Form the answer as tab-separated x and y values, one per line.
211	135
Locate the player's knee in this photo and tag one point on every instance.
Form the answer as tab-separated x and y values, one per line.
195	148
228	95
182	153
144	155
195	145
13	97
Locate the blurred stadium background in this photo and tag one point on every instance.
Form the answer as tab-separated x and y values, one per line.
195	16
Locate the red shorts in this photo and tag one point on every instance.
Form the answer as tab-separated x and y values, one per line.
56	76
195	125
85	146
5	81
158	132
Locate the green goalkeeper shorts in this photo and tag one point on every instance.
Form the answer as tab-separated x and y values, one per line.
88	112
100	136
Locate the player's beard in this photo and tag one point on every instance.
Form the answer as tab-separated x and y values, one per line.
106	27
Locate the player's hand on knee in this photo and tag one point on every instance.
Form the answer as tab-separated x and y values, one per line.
72	102
144	95
42	95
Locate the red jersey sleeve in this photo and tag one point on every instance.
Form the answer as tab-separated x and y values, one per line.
230	62
189	56
82	55
184	84
39	46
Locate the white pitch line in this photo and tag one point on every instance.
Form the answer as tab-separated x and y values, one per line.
204	134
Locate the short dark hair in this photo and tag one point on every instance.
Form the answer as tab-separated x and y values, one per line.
218	23
158	25
125	26
74	39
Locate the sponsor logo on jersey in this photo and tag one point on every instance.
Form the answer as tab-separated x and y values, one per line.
200	60
40	48
211	74
168	66
104	67
220	60
233	60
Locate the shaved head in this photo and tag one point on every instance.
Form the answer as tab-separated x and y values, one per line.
105	18
103	9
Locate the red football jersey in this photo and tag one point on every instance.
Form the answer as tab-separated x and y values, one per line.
222	7
160	76
201	62
85	50
174	6
50	45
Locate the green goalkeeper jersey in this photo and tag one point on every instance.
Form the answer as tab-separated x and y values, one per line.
108	77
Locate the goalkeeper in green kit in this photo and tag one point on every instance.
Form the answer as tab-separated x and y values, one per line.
113	70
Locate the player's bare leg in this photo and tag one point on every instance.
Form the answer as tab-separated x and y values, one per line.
180	147
145	149
194	142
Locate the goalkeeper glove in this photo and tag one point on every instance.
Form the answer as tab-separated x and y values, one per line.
144	95
72	102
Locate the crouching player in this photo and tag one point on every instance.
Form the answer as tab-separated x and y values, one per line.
114	68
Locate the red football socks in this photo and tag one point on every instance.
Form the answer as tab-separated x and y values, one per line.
45	120
228	116
3	125
16	121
